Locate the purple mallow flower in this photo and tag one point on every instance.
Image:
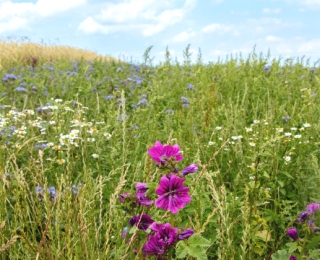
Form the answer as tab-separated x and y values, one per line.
192	168
164	236
312	208
123	196
186	234
142	199
142	221
292	257
293	233
154	246
165	233
160	153
172	194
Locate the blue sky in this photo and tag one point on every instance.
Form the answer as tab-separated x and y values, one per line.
126	28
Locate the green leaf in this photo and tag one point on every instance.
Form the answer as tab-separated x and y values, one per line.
198	240
195	246
281	255
314	242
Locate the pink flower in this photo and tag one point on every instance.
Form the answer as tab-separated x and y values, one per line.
141	194
172	194
160	153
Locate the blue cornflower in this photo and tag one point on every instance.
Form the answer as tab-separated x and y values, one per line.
8	77
52	193
20	89
109	97
184	100
190	86
266	68
143	101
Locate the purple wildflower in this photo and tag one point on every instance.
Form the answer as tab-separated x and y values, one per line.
173	195
123	196
165	233
154	246
192	168
310	223
292	257
312	208
293	233
186	234
169	111
141	194
20	89
303	216
52	193
124	232
190	86
142	221
8	77
160	153
267	68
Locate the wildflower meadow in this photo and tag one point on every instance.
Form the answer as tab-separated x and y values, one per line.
111	159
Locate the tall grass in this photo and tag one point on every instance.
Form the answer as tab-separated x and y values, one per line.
22	51
84	128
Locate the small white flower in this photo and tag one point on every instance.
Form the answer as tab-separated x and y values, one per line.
279	129
287	134
256	121
306	125
252	144
211	143
287	158
61	161
91	140
95	155
108	135
251	178
297	136
218	127
293	129
248	129
58	100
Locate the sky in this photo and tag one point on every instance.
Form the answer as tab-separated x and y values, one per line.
126	28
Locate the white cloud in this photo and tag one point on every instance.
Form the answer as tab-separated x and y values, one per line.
312	46
214	27
13	24
49	7
149	17
14	16
271	38
271	11
184	36
311	2
89	25
11	10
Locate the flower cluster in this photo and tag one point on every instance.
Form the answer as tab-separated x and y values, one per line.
306	217
172	196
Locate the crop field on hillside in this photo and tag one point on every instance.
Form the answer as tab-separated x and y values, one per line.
107	159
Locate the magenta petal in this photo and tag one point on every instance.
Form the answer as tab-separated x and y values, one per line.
157	151
173	195
179	157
